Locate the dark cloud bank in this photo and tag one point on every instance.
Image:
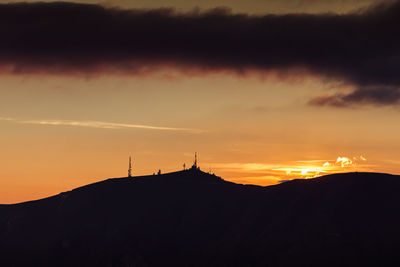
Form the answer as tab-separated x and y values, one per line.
361	48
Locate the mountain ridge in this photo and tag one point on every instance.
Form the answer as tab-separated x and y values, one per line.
204	174
197	219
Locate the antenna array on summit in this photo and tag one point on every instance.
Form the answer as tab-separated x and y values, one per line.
130	167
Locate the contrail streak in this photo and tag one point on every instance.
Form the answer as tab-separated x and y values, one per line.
98	124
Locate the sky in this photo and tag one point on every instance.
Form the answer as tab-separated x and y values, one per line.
263	91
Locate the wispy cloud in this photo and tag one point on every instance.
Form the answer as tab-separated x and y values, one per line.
99	124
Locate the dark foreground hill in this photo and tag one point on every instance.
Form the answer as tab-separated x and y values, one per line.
191	218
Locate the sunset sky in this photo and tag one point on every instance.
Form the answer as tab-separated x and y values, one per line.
263	90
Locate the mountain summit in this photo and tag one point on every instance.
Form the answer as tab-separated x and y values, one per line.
192	218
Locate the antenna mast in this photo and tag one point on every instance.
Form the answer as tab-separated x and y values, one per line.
195	160
130	167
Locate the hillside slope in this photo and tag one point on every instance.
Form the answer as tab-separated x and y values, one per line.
191	218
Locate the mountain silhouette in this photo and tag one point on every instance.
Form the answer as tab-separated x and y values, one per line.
191	218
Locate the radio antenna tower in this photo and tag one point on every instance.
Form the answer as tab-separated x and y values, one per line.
195	161
130	167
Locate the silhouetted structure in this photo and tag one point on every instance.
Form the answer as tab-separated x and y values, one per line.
130	167
194	166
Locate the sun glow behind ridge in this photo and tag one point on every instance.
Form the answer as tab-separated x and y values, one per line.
275	173
342	164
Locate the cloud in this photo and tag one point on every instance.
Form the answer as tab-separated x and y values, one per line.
98	124
389	95
359	48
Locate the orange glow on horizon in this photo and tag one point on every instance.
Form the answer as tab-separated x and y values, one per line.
276	174
59	133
